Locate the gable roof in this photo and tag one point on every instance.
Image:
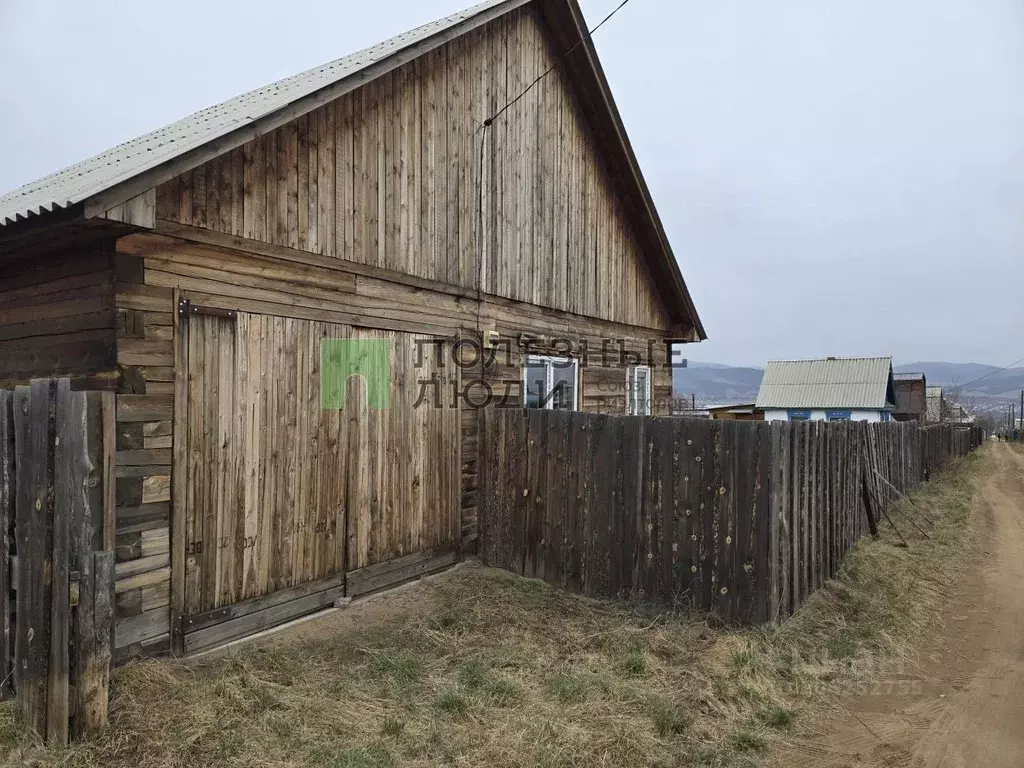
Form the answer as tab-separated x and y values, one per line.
131	168
835	382
81	181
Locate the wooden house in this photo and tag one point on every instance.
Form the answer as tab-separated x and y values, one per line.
829	389
911	399
434	192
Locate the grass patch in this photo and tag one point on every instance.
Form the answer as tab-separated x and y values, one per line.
472	674
636	662
392	726
669	719
569	686
482	668
375	757
502	693
842	645
452	703
749	740
402	668
779	718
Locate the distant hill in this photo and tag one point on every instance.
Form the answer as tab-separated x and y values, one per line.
996	382
715	383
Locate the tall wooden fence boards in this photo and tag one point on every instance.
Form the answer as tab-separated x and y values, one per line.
55	635
745	519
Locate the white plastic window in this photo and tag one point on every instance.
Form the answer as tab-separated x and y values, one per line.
551	383
638	390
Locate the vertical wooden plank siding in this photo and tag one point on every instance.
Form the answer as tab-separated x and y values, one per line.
8	495
260	518
389	175
741	519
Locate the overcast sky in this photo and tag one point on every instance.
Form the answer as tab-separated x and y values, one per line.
836	177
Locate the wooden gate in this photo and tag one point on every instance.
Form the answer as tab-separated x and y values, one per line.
282	496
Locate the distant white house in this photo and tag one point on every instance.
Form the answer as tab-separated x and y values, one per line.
829	389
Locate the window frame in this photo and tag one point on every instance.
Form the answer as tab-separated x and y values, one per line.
549	362
632	403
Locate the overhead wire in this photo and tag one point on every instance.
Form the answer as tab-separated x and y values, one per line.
483	137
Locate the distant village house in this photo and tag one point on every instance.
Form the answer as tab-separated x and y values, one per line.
831	389
911	399
735	412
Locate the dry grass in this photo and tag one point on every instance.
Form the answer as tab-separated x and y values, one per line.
486	669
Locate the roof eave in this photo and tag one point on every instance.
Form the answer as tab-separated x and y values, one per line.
137	183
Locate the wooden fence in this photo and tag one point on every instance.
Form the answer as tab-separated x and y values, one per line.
745	519
56	579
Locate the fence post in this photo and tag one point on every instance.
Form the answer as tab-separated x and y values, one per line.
50	471
35	424
7	492
92	641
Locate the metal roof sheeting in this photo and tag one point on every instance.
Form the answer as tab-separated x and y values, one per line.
842	382
78	182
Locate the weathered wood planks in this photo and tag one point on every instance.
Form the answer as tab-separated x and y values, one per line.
51	468
742	519
57	315
280	491
389	175
8	495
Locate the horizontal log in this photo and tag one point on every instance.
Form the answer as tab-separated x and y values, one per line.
374	578
132	408
256	604
249	624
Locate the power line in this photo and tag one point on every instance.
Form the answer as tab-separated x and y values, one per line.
991	373
486	124
552	68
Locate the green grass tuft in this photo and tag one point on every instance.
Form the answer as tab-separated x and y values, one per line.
669	719
842	645
451	703
502	693
401	667
779	718
472	674
568	686
749	740
636	662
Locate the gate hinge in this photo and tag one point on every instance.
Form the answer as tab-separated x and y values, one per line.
187	309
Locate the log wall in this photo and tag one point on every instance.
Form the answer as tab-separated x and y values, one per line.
57	314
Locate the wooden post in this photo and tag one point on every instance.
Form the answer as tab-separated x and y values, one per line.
179	479
92	642
68	444
7	495
35	423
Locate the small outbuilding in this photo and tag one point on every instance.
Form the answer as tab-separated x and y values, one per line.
735	412
911	401
829	389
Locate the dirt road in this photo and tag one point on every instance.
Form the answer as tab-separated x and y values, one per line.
962	703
